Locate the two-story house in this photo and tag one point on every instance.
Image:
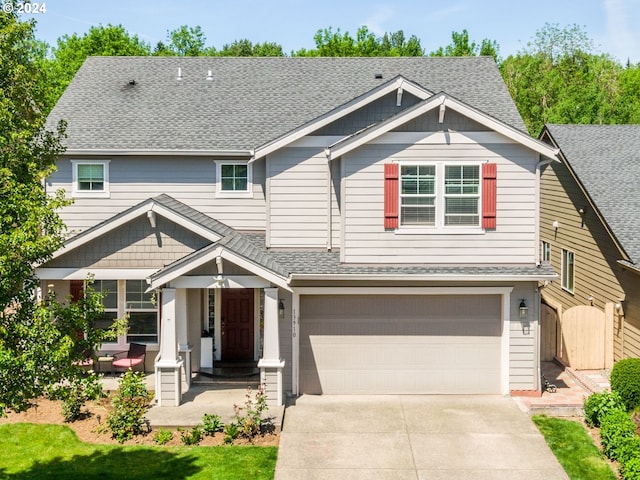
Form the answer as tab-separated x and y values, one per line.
589	234
353	225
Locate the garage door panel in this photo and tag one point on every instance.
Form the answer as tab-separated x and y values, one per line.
368	354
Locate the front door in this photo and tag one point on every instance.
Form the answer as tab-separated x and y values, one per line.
237	324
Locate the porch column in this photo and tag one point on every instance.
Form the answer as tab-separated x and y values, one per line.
271	364
168	363
184	349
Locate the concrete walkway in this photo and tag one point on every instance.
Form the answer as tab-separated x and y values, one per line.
386	437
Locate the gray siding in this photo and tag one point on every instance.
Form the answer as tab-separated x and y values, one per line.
523	341
135	179
286	343
366	241
298	198
135	245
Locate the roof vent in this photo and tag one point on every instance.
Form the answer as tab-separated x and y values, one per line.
209	76
179	74
378	76
132	82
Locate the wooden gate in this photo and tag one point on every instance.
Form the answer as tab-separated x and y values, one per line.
584	335
548	333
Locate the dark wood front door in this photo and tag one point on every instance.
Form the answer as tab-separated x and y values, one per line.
237	325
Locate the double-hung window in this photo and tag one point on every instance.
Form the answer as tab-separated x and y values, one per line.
90	178
546	252
142	310
439	196
568	260
233	179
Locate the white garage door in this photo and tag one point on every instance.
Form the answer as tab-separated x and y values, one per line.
403	344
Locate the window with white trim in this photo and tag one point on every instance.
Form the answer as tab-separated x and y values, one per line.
233	178
90	178
142	309
109	291
568	267
546	252
438	195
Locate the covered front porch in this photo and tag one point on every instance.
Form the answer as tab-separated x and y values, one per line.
229	317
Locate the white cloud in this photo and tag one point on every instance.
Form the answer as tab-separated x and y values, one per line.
375	22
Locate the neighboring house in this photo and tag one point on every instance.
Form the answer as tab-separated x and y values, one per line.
353	225
589	231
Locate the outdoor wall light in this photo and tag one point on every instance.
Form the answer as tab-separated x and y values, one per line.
281	310
524	310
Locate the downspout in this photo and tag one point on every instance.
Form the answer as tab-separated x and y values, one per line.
327	152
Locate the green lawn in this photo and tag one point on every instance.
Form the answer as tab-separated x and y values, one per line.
574	449
31	451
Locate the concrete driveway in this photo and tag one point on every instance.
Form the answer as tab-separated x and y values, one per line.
396	437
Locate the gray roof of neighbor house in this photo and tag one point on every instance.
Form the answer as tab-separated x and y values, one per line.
606	160
137	103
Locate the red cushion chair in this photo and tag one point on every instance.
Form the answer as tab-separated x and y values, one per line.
134	357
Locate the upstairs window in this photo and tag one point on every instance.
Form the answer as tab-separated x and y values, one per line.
436	196
233	179
90	178
546	252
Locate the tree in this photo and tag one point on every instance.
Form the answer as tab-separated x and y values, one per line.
559	79
38	340
72	50
461	47
245	48
366	44
185	42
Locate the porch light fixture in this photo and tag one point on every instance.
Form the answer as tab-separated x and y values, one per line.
281	309
524	310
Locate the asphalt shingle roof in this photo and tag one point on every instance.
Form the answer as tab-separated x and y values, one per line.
249	101
606	159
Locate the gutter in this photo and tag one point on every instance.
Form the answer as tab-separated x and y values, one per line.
159	153
421	278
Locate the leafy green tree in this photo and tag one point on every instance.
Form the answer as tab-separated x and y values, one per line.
72	50
366	44
38	340
460	46
245	48
559	79
185	41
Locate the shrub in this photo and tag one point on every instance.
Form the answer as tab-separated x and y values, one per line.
615	428
231	432
191	437
211	424
249	418
598	405
629	449
631	469
625	379
162	437
75	395
129	406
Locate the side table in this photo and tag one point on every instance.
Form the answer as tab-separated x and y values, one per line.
108	359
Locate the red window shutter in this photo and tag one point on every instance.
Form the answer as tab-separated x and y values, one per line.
76	289
489	183
391	195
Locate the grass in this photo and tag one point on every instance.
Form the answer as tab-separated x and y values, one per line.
54	451
574	449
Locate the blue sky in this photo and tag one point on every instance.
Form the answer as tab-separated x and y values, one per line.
613	25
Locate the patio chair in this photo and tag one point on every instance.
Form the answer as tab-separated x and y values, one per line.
134	357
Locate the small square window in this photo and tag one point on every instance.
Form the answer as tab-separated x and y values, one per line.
546	252
90	178
233	179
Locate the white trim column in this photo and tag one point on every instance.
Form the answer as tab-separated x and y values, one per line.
168	364
295	339
271	364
